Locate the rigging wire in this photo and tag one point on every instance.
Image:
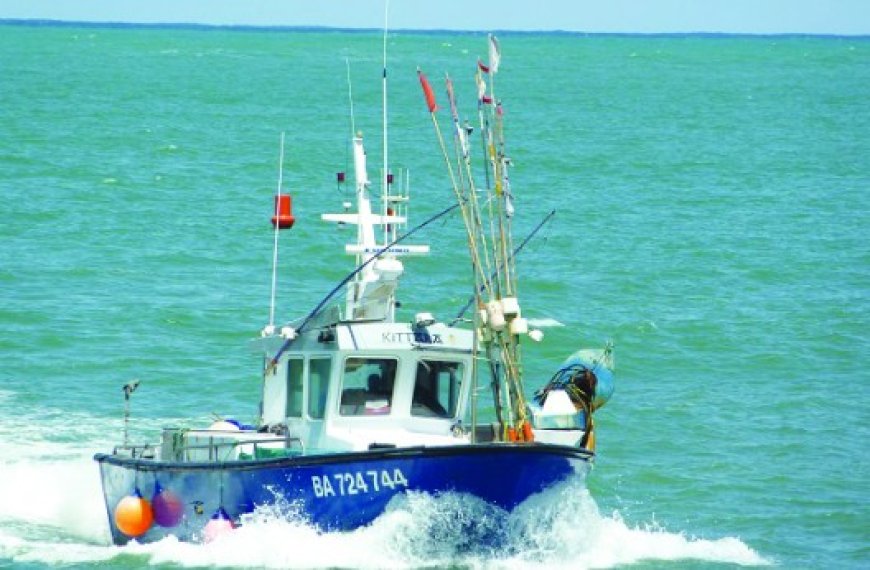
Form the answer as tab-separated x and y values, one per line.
277	231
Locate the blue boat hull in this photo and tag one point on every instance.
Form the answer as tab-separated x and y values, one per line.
336	491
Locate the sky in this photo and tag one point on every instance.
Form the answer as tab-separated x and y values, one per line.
845	17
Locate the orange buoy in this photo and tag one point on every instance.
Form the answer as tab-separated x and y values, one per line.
511	434
527	432
284	212
133	515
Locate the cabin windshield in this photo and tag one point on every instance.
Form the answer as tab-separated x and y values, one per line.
436	388
319	369
367	386
294	387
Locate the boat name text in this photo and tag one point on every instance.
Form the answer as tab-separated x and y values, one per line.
421	337
356	483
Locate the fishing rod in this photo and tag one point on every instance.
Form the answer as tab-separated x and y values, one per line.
518	249
274	360
461	200
463	160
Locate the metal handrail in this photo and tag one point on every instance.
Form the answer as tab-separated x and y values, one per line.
214	448
142	449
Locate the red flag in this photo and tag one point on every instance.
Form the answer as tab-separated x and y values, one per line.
481	66
427	91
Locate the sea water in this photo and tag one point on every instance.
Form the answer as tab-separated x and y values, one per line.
712	221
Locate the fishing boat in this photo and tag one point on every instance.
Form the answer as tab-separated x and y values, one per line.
363	403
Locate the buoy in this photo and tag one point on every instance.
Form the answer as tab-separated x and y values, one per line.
519	325
133	515
223	425
527	432
510	307
284	206
496	316
218	525
166	507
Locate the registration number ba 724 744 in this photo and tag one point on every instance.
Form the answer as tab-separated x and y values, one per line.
357	482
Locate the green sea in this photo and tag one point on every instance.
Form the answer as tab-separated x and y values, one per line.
712	198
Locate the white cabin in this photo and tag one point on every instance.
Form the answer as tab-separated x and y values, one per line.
356	385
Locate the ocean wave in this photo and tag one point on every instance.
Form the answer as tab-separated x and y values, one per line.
558	528
545	322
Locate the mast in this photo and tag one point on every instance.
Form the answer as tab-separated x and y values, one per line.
371	293
385	192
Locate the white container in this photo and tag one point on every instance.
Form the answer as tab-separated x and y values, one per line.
510	306
389	269
495	316
519	325
424	319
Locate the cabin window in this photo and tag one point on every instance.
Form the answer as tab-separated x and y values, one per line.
436	389
294	387
367	386
318	386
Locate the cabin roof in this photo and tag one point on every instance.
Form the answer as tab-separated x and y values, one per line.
374	336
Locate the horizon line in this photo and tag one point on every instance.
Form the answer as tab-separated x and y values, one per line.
47	22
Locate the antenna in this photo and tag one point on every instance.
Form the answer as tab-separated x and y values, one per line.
350	98
128	388
385	173
271	327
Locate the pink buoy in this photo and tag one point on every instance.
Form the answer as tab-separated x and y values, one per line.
218	525
167	507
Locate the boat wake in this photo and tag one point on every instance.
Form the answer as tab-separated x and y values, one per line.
44	521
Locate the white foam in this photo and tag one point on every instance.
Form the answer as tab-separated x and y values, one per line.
563	528
49	483
65	495
545	322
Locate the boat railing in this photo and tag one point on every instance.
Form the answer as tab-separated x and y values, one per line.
145	451
213	448
221	449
